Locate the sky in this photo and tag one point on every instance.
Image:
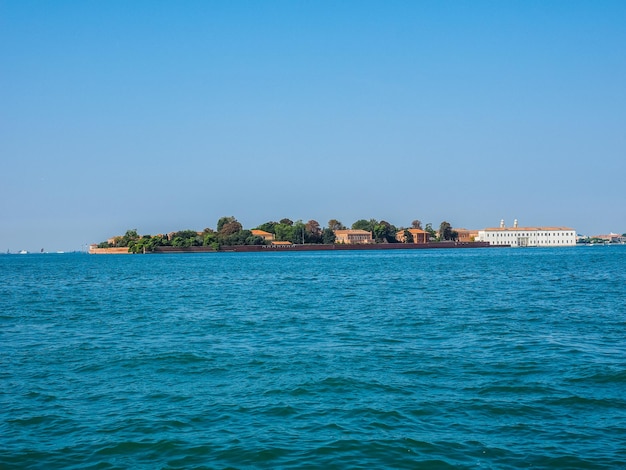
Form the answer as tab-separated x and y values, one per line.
163	116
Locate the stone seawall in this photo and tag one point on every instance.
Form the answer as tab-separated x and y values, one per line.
337	246
183	249
108	251
278	248
364	246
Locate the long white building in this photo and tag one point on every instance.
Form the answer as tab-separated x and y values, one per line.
528	236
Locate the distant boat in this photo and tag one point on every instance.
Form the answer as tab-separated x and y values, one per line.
23	252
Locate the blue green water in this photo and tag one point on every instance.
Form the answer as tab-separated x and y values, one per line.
490	358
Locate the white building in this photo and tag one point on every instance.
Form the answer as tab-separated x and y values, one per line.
528	236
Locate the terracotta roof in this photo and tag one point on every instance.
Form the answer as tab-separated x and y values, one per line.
260	232
353	232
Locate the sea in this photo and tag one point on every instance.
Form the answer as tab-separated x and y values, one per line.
495	358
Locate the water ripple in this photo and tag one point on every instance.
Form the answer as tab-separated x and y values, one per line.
403	359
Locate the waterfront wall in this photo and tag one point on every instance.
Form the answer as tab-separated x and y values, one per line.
364	246
185	249
108	251
278	248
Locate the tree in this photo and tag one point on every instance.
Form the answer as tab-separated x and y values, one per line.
230	228
286	221
181	242
445	231
284	232
416	224
299	232
141	245
367	225
186	238
210	238
328	236
254	240
268	227
334	224
408	236
228	232
127	238
237	238
384	232
223	221
431	232
313	232
313	227
159	240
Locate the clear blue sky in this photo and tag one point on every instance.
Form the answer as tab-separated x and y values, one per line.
165	116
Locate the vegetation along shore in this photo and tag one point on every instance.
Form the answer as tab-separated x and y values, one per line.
229	235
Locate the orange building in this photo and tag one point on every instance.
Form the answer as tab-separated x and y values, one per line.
466	235
419	236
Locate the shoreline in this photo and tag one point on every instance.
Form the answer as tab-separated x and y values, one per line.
289	248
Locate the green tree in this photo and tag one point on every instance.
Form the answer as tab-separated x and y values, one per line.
384	232
159	240
181	242
187	238
416	224
299	232
268	227
146	243
242	237
286	221
432	235
210	239
254	240
284	232
367	225
445	231
328	236
127	238
136	246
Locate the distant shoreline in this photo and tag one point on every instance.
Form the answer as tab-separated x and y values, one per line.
294	247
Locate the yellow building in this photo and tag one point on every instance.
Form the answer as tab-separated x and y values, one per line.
353	237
